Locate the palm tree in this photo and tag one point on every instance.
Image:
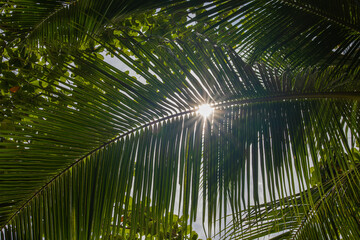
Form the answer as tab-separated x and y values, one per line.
100	141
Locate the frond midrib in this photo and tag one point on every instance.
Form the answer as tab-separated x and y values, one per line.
221	105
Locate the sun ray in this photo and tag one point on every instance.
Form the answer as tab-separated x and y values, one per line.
205	110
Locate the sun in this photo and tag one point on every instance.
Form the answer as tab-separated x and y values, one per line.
205	110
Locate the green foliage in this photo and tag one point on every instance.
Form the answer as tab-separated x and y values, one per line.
178	229
290	32
335	210
85	145
151	228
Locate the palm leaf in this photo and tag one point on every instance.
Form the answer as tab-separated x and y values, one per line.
72	168
286	32
306	33
334	215
38	23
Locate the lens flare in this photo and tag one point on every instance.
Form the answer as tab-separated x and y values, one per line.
205	110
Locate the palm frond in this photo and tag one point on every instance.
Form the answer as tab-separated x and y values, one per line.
71	168
38	23
286	32
306	33
335	214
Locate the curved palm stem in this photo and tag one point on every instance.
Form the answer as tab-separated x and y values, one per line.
261	115
279	98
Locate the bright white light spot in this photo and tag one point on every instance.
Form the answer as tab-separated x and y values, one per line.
205	110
